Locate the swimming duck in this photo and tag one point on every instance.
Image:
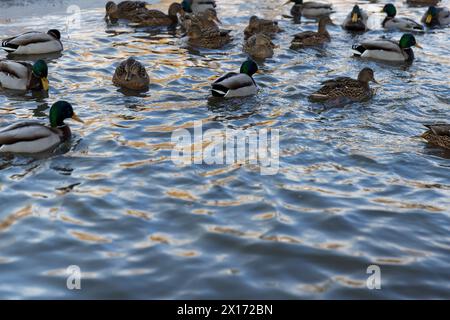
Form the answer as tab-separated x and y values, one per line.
197	6
205	20
392	22
388	50
309	9
34	137
34	42
346	88
259	46
210	38
16	75
438	134
436	17
419	3
150	18
311	38
257	25
356	20
131	74
237	84
124	10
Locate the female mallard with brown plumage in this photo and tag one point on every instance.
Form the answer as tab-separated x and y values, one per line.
356	20
34	137
259	46
124	10
346	88
22	76
311	38
257	25
438	134
154	18
209	38
131	74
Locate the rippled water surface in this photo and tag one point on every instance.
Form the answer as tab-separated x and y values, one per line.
356	185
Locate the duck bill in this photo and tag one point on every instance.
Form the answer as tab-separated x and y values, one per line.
76	118
418	46
354	17
45	84
375	81
289	1
428	19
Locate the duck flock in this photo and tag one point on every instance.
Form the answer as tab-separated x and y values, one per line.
201	25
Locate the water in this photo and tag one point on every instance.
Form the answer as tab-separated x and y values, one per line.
356	186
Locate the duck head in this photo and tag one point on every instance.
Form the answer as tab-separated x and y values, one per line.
112	10
431	14
54	33
249	67
61	111
356	13
366	75
390	10
40	72
408	41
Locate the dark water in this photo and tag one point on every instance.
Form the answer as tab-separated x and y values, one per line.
356	186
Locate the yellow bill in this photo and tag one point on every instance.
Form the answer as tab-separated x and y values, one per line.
429	18
354	17
45	84
76	118
418	46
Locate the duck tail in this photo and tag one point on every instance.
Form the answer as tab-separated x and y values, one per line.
218	90
358	49
9	47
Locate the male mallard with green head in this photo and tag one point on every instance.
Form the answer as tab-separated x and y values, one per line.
311	38
22	76
356	20
131	74
355	90
309	9
257	25
388	50
438	134
235	84
400	23
34	137
436	17
34	42
259	46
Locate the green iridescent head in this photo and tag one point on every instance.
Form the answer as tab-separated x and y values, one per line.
390	10
408	41
186	4
60	111
249	67
40	71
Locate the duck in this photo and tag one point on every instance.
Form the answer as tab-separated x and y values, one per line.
131	74
235	84
419	3
355	90
259	46
438	134
209	38
309	9
388	50
34	137
257	25
124	10
311	38
33	43
436	17
197	6
22	76
150	18
356	20
205	20
400	23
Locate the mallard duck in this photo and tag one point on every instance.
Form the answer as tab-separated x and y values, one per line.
131	74
392	22
197	6
259	46
16	75
438	134
157	18
356	20
311	38
210	38
205	20
309	9
388	50
34	137
436	17
124	10
420	3
237	84
346	88
257	25
34	42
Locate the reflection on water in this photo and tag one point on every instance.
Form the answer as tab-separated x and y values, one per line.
356	186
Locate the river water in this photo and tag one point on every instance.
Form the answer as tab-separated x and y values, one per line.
356	185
